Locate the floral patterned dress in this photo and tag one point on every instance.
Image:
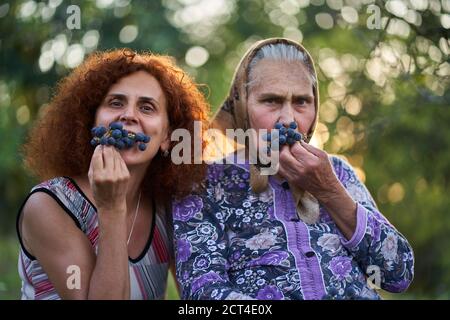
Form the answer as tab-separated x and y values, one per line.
234	244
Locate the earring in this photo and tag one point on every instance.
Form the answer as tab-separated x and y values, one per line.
165	153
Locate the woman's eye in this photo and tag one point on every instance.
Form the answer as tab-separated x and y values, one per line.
302	102
270	101
147	108
116	103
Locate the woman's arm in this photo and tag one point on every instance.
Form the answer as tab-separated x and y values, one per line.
110	276
380	249
108	178
51	236
57	243
374	243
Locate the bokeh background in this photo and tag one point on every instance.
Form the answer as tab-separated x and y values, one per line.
384	78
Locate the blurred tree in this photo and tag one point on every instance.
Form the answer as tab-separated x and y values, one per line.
384	92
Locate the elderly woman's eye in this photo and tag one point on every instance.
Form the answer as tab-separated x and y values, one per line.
270	101
302	102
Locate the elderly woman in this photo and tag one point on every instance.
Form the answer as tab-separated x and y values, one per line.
96	226
312	231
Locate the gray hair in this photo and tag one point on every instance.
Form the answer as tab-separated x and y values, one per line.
284	53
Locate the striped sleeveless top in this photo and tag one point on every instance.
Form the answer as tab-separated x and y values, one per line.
148	272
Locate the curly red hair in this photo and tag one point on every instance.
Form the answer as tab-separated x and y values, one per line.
58	144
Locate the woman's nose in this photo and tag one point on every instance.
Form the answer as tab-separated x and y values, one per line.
287	114
129	115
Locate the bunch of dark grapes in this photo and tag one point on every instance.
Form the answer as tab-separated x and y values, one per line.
287	135
118	137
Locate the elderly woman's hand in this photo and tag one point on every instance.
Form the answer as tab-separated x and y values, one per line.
310	169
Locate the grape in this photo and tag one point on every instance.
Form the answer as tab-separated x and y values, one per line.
290	141
118	137
94	142
140	137
290	133
120	145
128	142
117	133
99	131
111	141
116	125
287	134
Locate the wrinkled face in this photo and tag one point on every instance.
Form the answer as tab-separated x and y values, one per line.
139	103
280	92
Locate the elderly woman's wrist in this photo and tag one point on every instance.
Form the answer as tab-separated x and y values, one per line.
333	193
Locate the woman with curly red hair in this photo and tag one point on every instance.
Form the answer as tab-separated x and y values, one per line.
96	227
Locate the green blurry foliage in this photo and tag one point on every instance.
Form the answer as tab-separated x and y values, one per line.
384	92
